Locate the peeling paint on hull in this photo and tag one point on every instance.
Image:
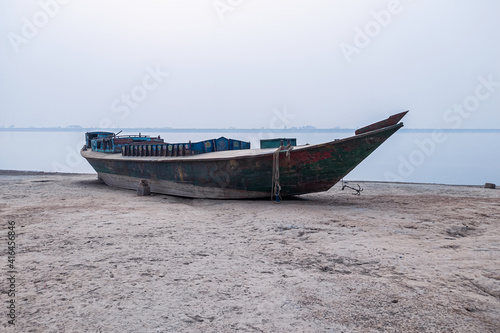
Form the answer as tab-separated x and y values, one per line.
242	174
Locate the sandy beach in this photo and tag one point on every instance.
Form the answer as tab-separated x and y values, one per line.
397	258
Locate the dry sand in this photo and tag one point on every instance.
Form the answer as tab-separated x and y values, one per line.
398	258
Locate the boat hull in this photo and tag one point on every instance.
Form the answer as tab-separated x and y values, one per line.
243	174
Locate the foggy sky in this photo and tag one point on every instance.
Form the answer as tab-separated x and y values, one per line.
249	63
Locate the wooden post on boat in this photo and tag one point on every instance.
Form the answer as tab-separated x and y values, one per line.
143	189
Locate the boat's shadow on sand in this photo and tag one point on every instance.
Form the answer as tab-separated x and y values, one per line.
307	199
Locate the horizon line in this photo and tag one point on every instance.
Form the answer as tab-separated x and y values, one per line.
173	129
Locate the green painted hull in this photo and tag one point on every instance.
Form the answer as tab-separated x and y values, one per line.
244	174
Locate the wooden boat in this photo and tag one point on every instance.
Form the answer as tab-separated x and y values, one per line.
228	169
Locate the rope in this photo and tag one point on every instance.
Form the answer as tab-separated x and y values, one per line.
276	187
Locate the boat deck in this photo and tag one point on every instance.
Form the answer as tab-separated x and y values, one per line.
227	154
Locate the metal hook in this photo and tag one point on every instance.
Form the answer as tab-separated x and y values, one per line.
358	190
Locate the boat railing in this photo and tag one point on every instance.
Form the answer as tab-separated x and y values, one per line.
152	149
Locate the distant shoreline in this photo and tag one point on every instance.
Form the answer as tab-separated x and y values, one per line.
39	173
238	130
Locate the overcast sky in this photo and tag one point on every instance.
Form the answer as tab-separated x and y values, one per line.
249	63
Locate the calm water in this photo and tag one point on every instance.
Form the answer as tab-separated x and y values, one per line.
449	158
